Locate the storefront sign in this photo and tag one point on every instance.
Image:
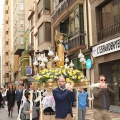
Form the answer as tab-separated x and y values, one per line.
107	47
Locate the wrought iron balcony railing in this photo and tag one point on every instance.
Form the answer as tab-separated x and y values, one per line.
61	7
108	32
75	41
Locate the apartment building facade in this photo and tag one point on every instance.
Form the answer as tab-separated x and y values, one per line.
1	77
21	36
40	29
73	19
106	41
70	17
6	43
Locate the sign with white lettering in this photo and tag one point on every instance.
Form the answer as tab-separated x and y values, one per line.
106	47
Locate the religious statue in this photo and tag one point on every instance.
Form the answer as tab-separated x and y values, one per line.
60	48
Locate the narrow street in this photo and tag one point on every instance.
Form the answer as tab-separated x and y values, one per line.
4	114
89	116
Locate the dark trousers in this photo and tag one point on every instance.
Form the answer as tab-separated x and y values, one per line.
18	104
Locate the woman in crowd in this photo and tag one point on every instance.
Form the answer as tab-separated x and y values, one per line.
48	104
10	100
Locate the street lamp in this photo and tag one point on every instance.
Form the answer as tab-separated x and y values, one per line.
41	61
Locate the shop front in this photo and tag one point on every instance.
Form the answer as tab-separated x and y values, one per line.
112	72
107	62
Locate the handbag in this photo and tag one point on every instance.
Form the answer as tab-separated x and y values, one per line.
22	115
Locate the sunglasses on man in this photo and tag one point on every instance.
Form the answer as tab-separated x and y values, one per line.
102	80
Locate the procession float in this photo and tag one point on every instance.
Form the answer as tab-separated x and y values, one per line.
53	66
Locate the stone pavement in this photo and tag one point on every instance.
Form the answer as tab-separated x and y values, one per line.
89	114
4	114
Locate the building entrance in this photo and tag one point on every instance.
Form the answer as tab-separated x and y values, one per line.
111	70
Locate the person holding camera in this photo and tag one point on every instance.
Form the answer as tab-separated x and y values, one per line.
101	102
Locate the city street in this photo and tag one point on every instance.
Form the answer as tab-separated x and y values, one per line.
4	114
89	116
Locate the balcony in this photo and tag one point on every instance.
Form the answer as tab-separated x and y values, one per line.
61	8
75	42
18	47
109	32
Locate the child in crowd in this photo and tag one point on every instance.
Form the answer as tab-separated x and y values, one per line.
26	108
82	103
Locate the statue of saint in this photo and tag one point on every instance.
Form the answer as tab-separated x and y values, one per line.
60	48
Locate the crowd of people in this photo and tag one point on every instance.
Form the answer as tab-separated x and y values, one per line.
58	102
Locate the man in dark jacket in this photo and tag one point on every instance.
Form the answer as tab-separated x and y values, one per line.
101	102
63	99
19	94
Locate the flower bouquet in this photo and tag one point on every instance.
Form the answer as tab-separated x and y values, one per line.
50	75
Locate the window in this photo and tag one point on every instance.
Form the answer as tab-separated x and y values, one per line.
76	20
6	43
6	32
21	23
109	14
64	26
6	53
21	6
32	38
6	11
6	21
6	2
44	33
47	6
48	31
55	2
32	22
41	34
6	63
40	8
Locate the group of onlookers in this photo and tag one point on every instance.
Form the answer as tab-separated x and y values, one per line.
58	102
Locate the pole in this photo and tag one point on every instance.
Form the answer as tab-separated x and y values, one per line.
77	105
31	103
41	111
